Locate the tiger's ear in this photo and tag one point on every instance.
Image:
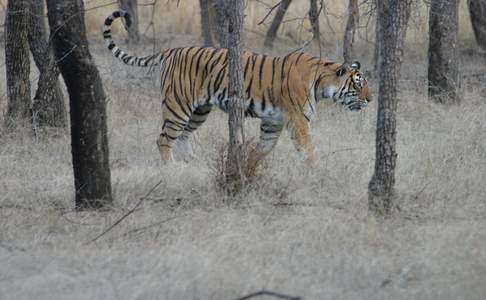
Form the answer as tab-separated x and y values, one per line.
341	70
356	65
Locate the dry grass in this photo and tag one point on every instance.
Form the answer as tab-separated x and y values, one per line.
298	231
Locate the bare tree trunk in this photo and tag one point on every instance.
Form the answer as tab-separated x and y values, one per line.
350	32
277	20
376	53
314	20
17	63
205	23
220	15
477	10
48	105
236	164
130	6
393	15
443	61
89	140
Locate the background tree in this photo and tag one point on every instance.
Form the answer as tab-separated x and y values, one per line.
220	10
314	13
48	104
277	20
393	16
477	10
17	63
443	70
206	23
92	179
131	7
376	52
350	32
236	163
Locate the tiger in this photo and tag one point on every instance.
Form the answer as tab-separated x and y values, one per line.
281	91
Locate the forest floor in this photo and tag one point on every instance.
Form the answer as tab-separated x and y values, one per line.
299	231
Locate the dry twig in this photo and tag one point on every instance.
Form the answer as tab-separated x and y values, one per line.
268	293
126	214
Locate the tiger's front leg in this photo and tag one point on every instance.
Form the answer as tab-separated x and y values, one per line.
299	129
270	131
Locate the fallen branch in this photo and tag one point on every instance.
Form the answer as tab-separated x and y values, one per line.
127	214
276	295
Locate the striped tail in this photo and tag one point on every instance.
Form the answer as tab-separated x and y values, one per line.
132	60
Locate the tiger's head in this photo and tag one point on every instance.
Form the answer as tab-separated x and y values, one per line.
347	86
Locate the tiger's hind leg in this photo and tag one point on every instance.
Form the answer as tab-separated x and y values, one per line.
174	122
183	145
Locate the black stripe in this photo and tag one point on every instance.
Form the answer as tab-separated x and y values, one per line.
263	102
181	104
282	72
182	125
261	70
182	71
248	89
193	81
247	63
219	78
298	57
171	126
217	60
175	114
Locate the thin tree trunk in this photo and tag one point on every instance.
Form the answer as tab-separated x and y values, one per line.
220	10
393	15
236	164
17	63
87	104
277	20
130	6
48	105
314	13
205	23
376	52
477	10
350	32
443	61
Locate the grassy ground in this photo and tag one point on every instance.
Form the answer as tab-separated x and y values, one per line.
298	231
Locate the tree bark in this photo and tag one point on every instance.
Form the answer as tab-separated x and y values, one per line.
130	6
314	20
48	104
205	23
443	70
393	16
220	10
277	20
477	10
376	52
350	32
236	164
17	63
89	140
